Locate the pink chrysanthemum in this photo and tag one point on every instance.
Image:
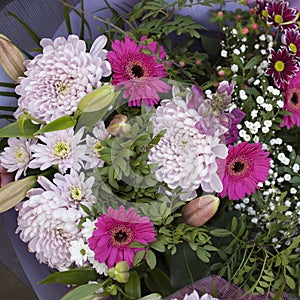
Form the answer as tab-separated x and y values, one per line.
139	72
292	103
246	165
58	78
115	231
282	67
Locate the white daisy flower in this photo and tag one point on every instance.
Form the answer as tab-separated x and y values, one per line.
61	148
79	250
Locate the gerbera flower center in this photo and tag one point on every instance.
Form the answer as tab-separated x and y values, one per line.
61	150
293	47
278	19
279	66
239	166
121	235
294	99
76	193
137	71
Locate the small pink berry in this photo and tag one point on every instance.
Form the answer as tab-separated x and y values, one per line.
252	10
181	64
198	62
221	73
220	14
238	17
254	26
245	30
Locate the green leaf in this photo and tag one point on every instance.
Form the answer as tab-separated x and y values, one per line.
82	292
13	130
158	282
151	259
14	192
158	246
61	123
33	35
238	61
290	282
133	286
220	232
138	257
67	20
253	62
76	276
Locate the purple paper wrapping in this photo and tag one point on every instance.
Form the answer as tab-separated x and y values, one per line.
221	289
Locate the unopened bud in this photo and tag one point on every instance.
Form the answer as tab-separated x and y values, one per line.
118	125
120	272
200	210
11	58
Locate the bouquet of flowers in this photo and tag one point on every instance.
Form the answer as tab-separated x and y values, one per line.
156	158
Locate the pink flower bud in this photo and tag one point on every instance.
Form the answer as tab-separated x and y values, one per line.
245	30
11	58
118	125
5	177
220	13
200	210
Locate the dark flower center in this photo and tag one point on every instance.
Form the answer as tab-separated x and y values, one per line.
238	166
121	235
294	99
137	71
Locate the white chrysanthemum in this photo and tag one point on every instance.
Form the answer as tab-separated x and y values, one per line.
17	155
94	145
72	187
58	78
61	148
100	268
48	225
186	157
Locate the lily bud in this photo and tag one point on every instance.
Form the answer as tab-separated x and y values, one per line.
200	210
11	58
118	125
5	177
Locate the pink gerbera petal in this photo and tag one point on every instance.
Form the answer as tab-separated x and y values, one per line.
139	73
115	231
246	166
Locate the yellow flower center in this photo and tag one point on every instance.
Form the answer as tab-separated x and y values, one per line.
76	193
264	13
278	19
97	148
279	66
293	47
61	150
20	156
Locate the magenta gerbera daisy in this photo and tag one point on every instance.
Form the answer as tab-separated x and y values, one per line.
282	67
114	233
279	13
292	102
139	72
246	165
